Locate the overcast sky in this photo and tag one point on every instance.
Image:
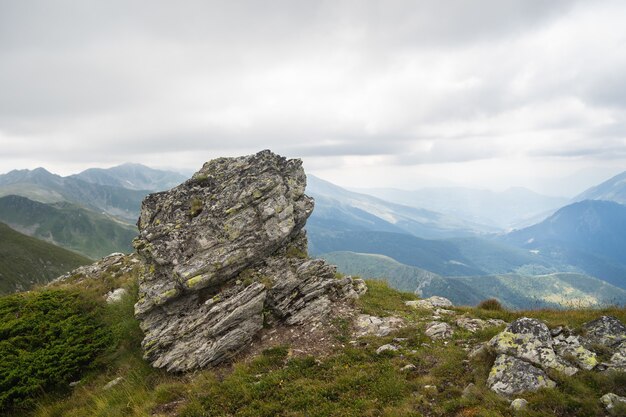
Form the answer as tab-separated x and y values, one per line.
485	93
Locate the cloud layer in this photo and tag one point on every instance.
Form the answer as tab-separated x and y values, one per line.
383	92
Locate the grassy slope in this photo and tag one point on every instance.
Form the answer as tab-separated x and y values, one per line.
514	290
25	261
353	381
67	225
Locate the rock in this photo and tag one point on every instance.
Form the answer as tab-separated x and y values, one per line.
478	351
115	264
113	383
614	404
606	331
470	324
510	376
519	404
618	360
530	340
430	303
444	312
438	330
387	348
224	253
571	349
367	325
469	390
496	322
408	368
116	295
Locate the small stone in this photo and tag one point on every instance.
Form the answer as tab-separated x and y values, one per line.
468	391
430	303
116	295
113	383
496	322
438	330
444	312
556	331
613	403
430	388
407	368
387	348
367	325
470	324
519	404
74	383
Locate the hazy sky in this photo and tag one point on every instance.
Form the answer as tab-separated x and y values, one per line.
486	93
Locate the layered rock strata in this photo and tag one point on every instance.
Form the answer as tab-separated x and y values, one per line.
225	254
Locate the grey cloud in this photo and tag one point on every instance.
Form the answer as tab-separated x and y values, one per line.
123	80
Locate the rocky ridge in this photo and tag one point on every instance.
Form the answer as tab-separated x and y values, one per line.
224	255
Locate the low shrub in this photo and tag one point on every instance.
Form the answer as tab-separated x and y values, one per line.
491	304
47	339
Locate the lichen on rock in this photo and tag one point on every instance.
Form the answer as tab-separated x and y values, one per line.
225	254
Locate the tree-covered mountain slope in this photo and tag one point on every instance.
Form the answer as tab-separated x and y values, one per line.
560	290
25	261
590	235
67	225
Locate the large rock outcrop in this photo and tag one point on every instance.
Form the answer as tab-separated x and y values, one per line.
225	253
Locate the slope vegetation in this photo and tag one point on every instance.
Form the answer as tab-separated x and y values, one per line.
67	225
590	235
556	290
25	261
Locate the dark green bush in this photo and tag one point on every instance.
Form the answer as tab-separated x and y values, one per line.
491	304
47	339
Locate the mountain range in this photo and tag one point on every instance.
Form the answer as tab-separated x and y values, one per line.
456	239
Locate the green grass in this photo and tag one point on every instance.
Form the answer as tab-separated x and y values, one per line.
353	381
25	261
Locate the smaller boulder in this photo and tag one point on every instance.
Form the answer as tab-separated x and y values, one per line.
510	376
614	404
519	404
113	383
367	325
570	348
387	348
470	324
530	340
606	331
116	295
618	360
430	303
438	330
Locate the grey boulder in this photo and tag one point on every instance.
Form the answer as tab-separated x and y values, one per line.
224	254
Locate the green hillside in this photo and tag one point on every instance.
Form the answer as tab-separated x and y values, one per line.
25	261
67	225
346	379
513	290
